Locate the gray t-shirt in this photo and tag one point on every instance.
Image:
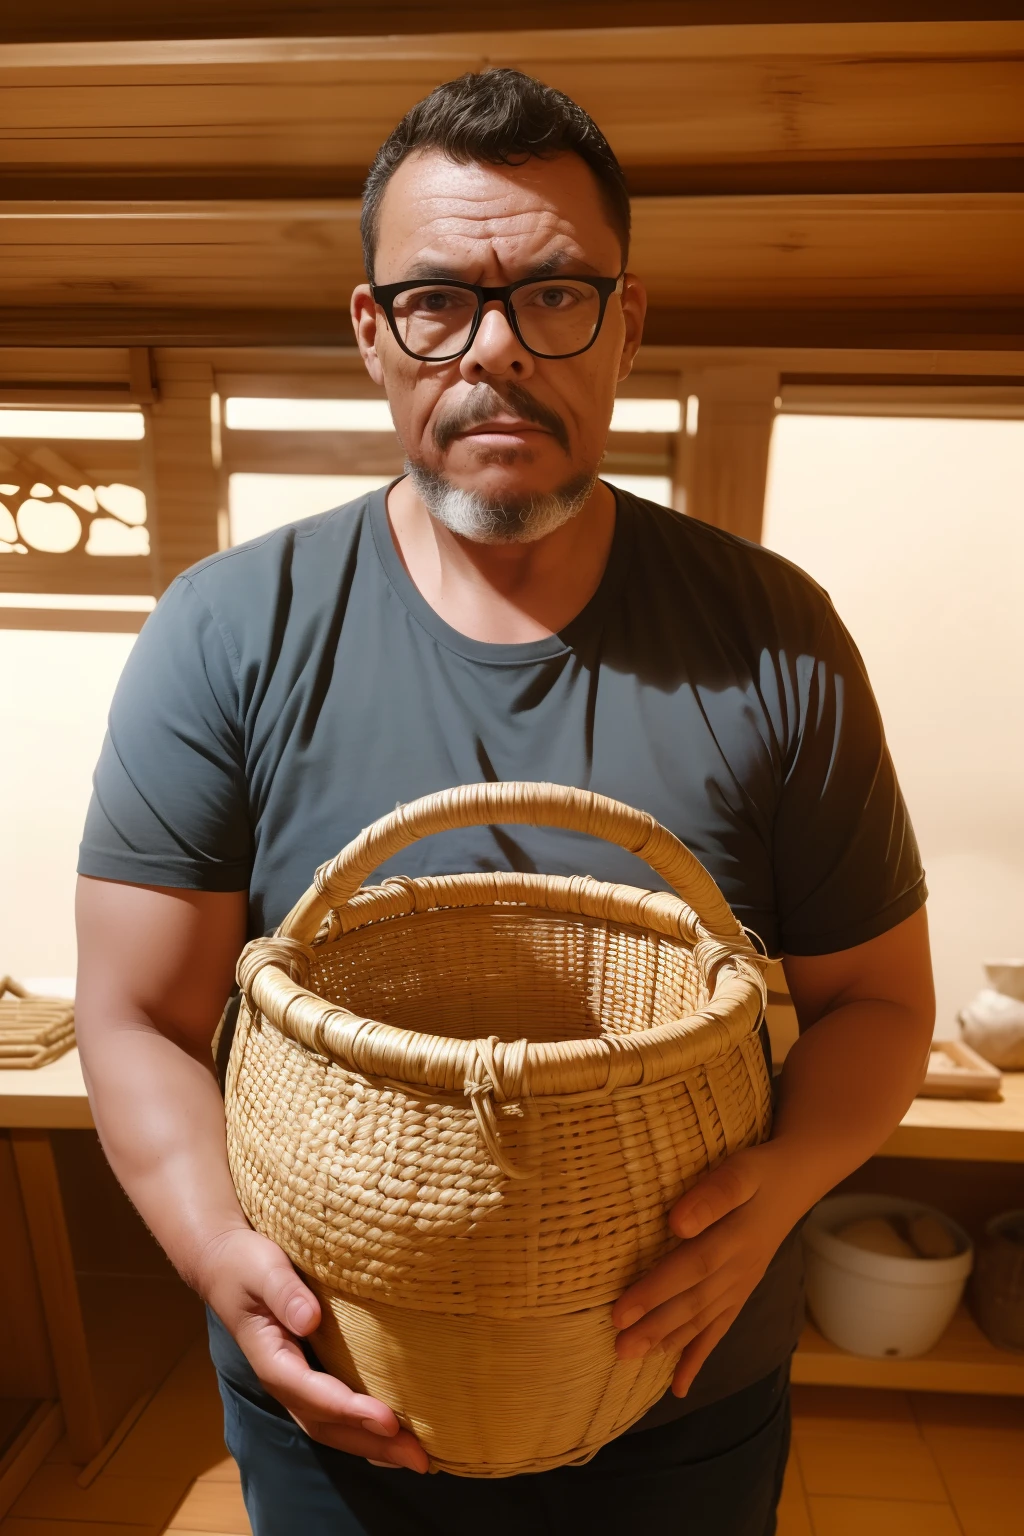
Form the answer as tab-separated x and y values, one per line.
286	693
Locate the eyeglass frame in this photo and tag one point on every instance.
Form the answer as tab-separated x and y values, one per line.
385	294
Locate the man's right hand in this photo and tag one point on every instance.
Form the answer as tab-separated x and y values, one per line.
252	1287
154	966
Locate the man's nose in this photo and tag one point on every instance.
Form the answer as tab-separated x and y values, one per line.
497	351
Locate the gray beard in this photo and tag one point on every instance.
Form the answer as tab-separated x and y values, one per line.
523	520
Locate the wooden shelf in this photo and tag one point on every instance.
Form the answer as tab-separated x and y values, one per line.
46	1098
962	1361
971	1130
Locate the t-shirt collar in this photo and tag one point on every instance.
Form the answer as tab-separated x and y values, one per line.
567	639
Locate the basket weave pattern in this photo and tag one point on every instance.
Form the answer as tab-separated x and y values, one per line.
33	1030
463	1106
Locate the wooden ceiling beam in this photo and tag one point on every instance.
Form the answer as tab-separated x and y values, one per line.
680	106
928	250
950	326
1001	171
180	326
106	20
942	327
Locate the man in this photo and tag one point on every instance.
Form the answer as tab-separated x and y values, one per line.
499	613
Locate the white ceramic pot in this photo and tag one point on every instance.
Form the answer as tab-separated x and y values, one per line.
871	1303
993	1023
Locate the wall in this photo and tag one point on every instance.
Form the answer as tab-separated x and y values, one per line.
56	690
916	528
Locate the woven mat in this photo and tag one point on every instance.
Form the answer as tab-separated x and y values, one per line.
33	1030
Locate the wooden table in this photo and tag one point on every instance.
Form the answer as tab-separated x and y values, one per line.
49	1098
92	1316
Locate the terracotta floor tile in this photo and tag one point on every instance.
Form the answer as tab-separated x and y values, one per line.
881	1517
53	1494
794	1520
212	1506
874	1466
995	1456
181	1432
16	1526
794	1516
225	1471
989	1506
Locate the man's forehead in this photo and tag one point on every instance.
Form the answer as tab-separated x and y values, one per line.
547	211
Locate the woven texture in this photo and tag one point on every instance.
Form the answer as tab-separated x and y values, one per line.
464	1105
33	1030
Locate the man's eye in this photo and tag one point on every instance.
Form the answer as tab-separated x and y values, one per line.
440	301
433	303
555	298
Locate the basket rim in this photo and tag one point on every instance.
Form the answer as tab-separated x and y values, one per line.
273	972
664	912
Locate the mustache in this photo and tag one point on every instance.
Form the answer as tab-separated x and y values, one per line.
484	402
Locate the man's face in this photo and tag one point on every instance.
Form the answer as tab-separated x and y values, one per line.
498	421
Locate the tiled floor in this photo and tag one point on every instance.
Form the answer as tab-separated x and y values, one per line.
863	1464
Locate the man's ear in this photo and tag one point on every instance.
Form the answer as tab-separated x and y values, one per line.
634	311
364	322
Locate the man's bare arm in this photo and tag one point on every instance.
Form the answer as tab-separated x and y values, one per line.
155	967
844	1087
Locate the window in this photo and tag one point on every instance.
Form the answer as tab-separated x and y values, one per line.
259	503
278	474
70	484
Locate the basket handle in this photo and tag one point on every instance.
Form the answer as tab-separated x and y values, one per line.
539	805
8	984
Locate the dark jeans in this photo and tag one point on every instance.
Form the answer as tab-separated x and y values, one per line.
716	1472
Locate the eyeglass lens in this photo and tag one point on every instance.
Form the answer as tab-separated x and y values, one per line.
554	319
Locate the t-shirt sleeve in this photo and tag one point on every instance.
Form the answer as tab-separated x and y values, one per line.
170	802
847	866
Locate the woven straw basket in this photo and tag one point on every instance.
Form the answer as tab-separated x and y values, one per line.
463	1106
33	1030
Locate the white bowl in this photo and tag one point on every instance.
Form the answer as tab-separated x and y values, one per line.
871	1303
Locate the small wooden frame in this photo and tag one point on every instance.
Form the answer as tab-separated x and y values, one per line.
955	1071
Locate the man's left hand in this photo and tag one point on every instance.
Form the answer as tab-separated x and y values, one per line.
731	1222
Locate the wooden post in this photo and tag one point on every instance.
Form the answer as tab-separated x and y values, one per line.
727	466
51	1249
185	479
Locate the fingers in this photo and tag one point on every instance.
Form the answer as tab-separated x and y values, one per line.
326	1408
716	1194
403	1450
689	1267
696	1352
683	1309
309	1395
716	1198
253	1288
291	1302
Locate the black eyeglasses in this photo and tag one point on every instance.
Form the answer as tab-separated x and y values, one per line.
552	317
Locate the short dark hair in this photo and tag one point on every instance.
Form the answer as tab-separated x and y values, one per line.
496	117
